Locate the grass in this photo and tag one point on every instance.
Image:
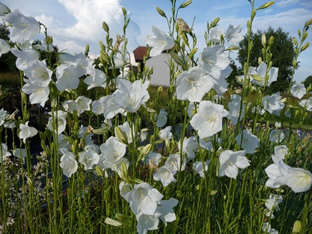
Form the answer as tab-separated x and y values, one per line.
9	78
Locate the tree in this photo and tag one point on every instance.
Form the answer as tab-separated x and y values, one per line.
282	50
7	61
308	81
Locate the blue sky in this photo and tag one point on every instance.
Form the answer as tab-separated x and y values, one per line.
74	23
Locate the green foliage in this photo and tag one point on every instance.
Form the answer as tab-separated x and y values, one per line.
7	61
308	81
282	50
232	78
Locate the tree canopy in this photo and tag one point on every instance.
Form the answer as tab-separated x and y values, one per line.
282	50
7	61
308	81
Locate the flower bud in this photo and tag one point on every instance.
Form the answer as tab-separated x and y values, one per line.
161	12
99	131
308	23
305	35
124	11
112	222
305	46
297	227
159	90
185	4
49	40
233	48
294	63
256	77
105	26
121	135
266	5
87	50
295	42
271	40
263	40
215	22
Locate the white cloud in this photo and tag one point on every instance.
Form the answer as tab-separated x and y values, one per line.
285	3
89	15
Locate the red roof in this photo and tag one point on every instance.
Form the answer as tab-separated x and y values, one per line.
139	53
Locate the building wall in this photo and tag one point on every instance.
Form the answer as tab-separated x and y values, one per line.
160	76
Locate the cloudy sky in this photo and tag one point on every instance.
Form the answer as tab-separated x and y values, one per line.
74	23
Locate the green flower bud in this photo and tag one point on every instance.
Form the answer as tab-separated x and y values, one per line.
297	227
259	60
271	40
215	22
105	26
121	135
295	42
99	171
305	35
263	40
87	50
266	5
256	77
49	40
294	63
99	131
233	48
305	46
185	4
159	90
161	12
308	23
299	33
124	11
112	222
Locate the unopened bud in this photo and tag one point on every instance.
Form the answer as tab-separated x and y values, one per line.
256	77
87	50
185	4
308	23
233	48
297	227
215	22
305	46
121	135
266	5
105	26
263	40
295	42
124	11
161	12
112	222
49	40
159	90
305	35
294	63
271	40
